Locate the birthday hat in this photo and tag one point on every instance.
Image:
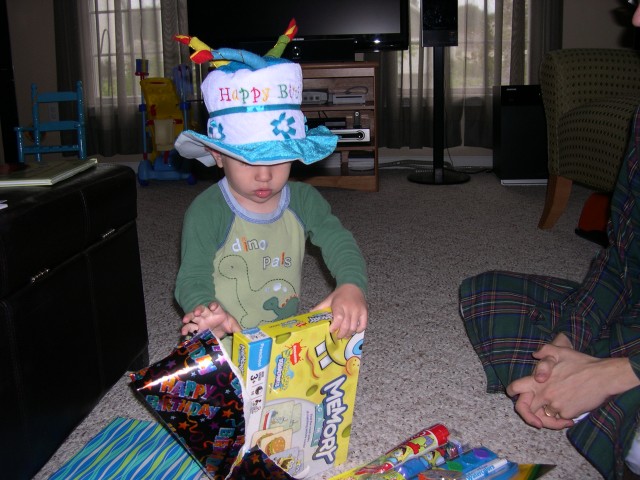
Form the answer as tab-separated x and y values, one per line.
254	109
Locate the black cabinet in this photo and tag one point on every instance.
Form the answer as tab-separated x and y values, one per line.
72	314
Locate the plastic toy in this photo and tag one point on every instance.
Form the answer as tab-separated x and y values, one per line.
164	116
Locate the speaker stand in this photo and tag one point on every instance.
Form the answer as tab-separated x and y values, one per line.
439	175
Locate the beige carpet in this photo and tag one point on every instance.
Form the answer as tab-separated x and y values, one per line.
418	367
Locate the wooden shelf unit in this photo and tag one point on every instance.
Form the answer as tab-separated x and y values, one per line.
341	78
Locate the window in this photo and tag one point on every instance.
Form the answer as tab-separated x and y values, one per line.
473	61
121	32
493	49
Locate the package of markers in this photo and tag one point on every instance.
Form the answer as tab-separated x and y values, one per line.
431	454
428	445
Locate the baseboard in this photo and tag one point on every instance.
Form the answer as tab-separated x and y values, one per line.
384	159
457	161
524	181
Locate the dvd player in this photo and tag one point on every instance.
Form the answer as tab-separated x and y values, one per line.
347	98
329	122
352	134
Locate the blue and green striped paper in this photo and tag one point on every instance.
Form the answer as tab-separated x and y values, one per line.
131	449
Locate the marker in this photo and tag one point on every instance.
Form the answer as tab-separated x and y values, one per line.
487	469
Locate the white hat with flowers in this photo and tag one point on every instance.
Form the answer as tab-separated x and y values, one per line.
254	109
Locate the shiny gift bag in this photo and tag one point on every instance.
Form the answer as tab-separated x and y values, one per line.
197	395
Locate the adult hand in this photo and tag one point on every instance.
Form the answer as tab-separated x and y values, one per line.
349	309
577	383
538	417
543	368
545	416
211	316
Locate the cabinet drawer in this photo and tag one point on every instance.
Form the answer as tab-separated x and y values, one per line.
44	226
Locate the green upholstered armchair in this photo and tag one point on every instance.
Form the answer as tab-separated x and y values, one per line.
589	97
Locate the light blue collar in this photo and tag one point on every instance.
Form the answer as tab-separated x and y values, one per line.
253	217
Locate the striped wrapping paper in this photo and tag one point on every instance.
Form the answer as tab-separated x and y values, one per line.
131	449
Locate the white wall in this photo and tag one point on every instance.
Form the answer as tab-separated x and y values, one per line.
32	50
596	23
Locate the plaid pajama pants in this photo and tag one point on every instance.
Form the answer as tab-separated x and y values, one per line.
509	315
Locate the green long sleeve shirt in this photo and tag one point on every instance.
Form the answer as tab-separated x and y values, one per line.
252	263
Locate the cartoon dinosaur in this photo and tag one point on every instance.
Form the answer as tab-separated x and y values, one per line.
235	267
288	309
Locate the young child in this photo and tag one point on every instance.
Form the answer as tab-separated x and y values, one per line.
243	239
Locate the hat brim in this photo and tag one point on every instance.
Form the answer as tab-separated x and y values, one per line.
318	144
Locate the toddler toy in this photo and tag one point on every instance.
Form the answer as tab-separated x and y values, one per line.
164	116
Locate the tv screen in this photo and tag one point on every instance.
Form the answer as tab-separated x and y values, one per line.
326	28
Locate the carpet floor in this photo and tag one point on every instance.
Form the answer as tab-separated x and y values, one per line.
418	367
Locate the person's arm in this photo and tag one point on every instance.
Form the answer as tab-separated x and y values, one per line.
340	251
608	287
202	233
598	301
342	257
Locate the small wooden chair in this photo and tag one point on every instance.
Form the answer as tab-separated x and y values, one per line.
39	127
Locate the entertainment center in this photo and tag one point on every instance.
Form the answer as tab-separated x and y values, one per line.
354	123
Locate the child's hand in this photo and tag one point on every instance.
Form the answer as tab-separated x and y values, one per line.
212	317
349	308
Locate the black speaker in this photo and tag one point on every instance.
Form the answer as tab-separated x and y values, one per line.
519	134
439	23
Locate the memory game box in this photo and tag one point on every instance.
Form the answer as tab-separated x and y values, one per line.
300	390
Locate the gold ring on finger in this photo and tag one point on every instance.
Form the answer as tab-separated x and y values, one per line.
548	412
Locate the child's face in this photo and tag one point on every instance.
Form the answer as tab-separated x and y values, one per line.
256	187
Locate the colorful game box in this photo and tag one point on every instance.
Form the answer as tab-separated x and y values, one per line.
300	390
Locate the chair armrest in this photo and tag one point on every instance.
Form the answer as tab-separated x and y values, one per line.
576	76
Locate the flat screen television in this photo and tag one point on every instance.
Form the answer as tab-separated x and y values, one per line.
328	30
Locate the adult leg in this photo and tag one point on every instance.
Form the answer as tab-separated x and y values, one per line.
508	316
